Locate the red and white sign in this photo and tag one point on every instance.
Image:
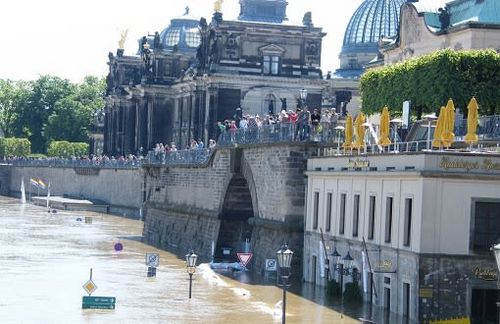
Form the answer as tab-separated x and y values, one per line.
244	258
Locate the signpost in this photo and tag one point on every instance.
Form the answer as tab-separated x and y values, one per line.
244	258
270	264
152	261
96	302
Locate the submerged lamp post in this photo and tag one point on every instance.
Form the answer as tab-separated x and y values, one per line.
496	250
344	266
191	268
284	256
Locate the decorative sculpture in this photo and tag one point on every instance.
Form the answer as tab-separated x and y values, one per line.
218	5
123	37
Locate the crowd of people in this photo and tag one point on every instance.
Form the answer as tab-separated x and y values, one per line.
304	122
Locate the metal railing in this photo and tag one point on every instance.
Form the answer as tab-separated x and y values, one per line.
75	163
185	157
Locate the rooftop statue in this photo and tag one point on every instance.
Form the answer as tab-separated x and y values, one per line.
123	37
218	5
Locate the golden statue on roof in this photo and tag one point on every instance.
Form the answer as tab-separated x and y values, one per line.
218	5
123	37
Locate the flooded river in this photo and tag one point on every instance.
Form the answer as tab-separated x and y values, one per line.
45	259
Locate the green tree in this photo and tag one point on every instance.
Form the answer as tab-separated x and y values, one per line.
14	100
430	80
73	115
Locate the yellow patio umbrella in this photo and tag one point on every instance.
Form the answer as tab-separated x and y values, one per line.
359	130
448	134
348	133
472	117
384	127
438	131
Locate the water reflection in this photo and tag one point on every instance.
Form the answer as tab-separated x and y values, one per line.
45	259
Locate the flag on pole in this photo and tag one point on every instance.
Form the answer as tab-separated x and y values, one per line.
38	183
34	182
41	184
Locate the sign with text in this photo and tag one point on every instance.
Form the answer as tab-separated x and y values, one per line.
98	302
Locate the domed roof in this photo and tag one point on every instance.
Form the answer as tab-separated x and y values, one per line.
372	19
182	33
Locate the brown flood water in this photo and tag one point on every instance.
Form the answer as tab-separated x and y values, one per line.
45	260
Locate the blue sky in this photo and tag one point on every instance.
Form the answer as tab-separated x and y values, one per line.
71	38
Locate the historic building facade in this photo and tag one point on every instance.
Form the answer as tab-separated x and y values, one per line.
196	73
459	25
418	226
372	20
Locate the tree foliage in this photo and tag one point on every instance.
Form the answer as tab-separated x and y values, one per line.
49	108
65	149
15	147
429	81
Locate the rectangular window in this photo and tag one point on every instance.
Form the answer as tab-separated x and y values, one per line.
342	213
270	65
371	218
388	219
328	225
275	60
316	210
407	228
485	225
266	64
355	216
406	299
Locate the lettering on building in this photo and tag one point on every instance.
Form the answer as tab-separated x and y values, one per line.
487	164
358	163
487	274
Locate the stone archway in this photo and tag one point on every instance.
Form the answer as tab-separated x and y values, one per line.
235	232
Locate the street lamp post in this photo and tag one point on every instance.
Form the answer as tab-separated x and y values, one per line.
396	122
496	250
284	256
344	267
191	268
303	97
339	130
430	118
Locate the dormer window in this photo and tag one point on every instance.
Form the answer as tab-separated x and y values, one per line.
271	59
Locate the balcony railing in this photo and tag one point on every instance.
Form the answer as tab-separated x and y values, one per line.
183	157
75	163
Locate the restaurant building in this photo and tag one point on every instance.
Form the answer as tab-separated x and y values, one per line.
428	220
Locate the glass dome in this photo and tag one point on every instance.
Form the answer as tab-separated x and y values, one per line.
182	33
372	19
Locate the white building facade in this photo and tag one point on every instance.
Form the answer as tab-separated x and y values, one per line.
428	220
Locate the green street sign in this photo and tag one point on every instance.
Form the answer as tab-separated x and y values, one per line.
98	302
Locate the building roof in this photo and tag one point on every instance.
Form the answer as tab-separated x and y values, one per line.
462	12
372	19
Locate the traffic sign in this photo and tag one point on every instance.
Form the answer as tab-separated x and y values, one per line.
270	264
152	260
90	287
98	302
244	257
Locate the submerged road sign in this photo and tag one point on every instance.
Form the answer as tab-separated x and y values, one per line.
98	302
152	260
244	257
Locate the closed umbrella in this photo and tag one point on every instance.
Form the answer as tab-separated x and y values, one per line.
472	117
348	133
384	128
448	131
359	129
438	131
